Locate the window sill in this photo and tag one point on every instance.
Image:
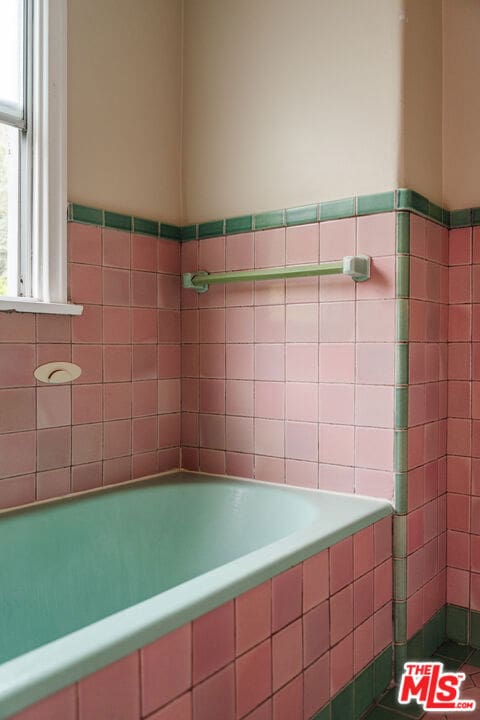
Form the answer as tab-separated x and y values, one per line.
29	305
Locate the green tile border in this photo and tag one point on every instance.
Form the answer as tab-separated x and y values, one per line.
379	203
463	625
301	215
337	209
119	221
84	214
269	220
145	227
240	224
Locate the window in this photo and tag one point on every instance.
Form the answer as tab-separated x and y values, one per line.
33	203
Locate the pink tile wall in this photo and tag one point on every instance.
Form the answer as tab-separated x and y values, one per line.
427	423
463	477
292	381
121	419
270	654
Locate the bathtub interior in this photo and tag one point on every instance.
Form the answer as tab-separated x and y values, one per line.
73	562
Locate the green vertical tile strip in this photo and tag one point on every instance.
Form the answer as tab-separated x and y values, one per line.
403	233
399	536
302	215
401	363
337	209
400	578
82	213
401	493
118	221
239	224
268	220
401	451
145	227
403	276
401	408
381	202
402	320
400	621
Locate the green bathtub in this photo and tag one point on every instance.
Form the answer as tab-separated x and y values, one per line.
89	578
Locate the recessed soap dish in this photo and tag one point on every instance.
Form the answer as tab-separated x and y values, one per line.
55	373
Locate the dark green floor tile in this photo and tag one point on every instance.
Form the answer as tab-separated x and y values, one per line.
390	701
324	714
474	629
342	704
380	713
415	647
454	651
363	691
448	663
457	623
382	668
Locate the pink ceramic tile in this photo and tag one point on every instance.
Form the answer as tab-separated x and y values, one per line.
337	362
269	469
362	646
239	397
302	323
144	325
382	280
460	246
241	294
179	709
144	464
53	406
53	448
117	470
239	325
239	434
302	244
270	248
168	396
144	252
418	235
301	440
85	283
316	686
53	483
116	325
316	633
89	357
166	668
376	320
117	363
341	565
383	628
341	664
374	406
189	395
239	362
17	363
17	409
382	531
302	290
301	473
337	322
212	431
253	617
168	292
375	363
144	398
168	326
53	328
18	490
376	483
189	432
302	362
211	254
336	403
287	654
116	440
86	443
376	234
382	578
212	396
84	244
337	238
341	614
269	362
212	461
212	325
239	251
144	289
286	597
213	641
460	284
374	448
17	327
288	702
116	248
190	362
117	401
269	292
315	580
239	464
336	444
144	434
270	324
86	477
253	677
269	437
459	323
458	437
270	400
190	326
60	706
363	551
116	287
458	588
113	691
168	256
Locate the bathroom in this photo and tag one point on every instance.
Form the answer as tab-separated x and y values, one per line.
249	496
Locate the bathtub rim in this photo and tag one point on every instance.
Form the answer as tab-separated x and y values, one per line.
41	672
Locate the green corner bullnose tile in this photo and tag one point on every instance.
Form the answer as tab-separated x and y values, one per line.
189	232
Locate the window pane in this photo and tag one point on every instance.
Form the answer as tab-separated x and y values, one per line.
11	57
9	183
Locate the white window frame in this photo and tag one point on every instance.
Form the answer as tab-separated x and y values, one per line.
41	269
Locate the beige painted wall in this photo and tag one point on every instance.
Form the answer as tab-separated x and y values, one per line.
124	106
461	109
289	102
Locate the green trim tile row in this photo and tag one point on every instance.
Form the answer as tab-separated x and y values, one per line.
129	223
